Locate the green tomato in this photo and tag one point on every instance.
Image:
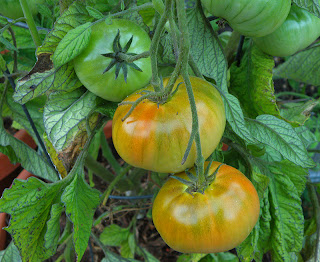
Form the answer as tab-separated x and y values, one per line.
100	54
250	18
13	10
299	30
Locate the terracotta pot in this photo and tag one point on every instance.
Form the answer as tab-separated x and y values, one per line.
6	167
3	234
108	129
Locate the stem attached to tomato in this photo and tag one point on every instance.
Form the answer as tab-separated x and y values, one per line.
132	58
184	54
155	81
30	22
106	194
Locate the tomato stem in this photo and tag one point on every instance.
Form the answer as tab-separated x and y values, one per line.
120	175
184	54
155	81
132	58
32	26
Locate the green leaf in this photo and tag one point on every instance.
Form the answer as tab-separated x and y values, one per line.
72	44
41	80
53	226
111	257
306	136
224	257
235	118
114	235
252	83
252	247
128	247
310	5
29	203
81	202
71	18
94	13
190	257
302	67
280	135
10	254
287	183
7	44
65	117
298	113
16	112
205	48
22	153
2	64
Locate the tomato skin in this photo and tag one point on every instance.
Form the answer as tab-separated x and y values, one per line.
13	10
250	18
155	138
216	221
299	30
90	64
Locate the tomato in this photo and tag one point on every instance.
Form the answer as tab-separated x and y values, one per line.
215	221
250	18
91	63
299	30
155	137
13	10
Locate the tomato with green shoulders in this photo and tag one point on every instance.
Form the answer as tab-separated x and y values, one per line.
300	29
250	18
216	220
155	136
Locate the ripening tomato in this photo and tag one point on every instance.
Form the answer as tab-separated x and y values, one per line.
100	68
13	10
299	30
215	221
155	137
250	18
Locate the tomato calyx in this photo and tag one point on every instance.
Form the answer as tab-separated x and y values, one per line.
163	96
193	182
119	56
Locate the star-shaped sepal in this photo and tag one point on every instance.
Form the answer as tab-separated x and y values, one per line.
119	62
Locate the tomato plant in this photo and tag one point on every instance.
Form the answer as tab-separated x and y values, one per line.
12	8
215	221
250	18
86	201
297	32
100	67
155	137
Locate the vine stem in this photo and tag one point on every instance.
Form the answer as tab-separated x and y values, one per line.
155	81
184	54
30	22
106	194
132	58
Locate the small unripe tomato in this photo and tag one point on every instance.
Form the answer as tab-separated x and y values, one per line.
250	18
215	221
299	30
155	136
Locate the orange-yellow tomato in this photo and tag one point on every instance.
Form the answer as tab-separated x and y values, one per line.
216	221
156	137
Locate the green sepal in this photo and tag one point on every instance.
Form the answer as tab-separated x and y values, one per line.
184	181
